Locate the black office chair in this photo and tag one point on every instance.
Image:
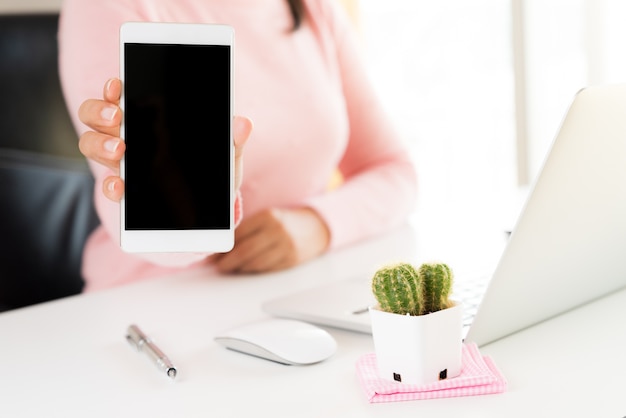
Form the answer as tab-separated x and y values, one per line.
46	189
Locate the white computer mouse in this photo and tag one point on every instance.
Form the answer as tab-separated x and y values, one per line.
284	341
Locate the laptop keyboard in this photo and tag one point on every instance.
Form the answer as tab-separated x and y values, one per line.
470	291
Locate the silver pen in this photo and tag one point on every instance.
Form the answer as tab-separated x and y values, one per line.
142	343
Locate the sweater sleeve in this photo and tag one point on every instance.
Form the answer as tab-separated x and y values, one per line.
380	182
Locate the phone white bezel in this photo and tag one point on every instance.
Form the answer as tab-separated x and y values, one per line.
196	240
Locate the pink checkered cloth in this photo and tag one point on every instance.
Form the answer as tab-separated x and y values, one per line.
479	376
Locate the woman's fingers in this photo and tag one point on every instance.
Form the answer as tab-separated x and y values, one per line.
104	115
112	90
113	188
101	116
102	148
242	128
103	145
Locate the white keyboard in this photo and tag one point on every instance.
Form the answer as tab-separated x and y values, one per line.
470	289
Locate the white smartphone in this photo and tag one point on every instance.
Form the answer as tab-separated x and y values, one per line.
178	168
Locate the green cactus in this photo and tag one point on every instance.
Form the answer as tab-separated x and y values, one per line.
401	288
396	289
436	279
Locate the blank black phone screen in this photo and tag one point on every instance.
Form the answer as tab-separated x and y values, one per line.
177	125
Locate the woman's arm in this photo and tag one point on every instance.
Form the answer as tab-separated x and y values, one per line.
380	183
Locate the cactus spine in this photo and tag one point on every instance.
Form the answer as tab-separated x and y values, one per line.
401	288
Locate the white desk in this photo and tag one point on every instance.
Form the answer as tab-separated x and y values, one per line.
69	357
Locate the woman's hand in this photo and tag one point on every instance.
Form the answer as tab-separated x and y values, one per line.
270	240
103	144
274	240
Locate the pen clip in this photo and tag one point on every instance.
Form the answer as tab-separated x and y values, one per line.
135	337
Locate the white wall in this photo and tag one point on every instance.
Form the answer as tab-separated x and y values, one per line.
29	6
444	70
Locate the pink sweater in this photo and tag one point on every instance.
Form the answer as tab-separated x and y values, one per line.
307	92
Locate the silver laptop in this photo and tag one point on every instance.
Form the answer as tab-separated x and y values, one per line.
568	246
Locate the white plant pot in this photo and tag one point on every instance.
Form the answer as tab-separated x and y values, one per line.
418	349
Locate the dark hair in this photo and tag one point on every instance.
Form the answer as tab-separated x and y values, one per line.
297	12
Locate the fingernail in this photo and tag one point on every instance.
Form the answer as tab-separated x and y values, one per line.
108	113
111	145
111	186
107	86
